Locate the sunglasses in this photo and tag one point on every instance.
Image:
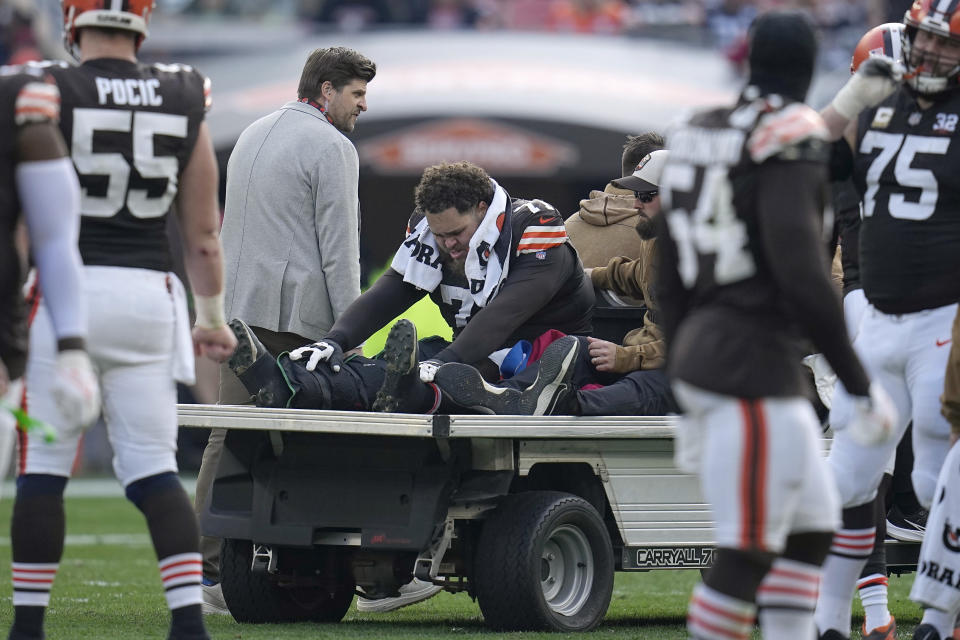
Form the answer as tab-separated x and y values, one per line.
646	197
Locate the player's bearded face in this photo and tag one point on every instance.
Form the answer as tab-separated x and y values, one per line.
452	231
646	212
346	105
934	55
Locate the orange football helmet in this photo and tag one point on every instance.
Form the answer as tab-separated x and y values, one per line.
132	15
885	39
932	69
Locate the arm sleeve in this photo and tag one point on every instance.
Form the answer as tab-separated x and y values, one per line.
788	203
530	285
386	299
50	198
622	275
337	222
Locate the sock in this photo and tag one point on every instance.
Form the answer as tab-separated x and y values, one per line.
36	533
712	615
786	599
873	596
182	575
851	548
940	620
188	622
176	539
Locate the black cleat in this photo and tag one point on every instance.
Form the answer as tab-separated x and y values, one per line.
926	632
463	384
249	348
15	634
833	634
908	527
257	368
400	354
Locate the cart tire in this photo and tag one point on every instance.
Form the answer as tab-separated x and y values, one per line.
544	562
258	598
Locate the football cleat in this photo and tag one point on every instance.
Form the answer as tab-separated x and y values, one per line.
257	368
925	632
886	632
249	348
400	354
906	527
463	385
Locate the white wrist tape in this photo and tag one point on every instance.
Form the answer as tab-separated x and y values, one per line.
209	311
877	78
848	102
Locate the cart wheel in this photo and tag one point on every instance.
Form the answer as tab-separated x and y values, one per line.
544	562
258	598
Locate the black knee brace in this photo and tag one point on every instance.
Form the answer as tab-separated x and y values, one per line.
352	388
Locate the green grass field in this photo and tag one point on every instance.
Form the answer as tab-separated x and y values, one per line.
108	588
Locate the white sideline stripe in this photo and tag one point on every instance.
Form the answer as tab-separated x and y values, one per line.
90	539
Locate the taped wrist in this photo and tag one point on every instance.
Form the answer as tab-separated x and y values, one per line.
848	102
209	310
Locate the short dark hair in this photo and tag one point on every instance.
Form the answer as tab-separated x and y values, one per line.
461	185
637	147
339	65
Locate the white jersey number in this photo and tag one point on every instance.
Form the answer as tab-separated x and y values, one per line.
143	126
713	228
905	148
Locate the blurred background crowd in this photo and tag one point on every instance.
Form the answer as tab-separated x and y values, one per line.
28	28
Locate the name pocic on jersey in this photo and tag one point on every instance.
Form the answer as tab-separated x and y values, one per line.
135	92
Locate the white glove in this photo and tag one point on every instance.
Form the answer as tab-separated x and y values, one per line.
428	370
874	417
325	350
75	388
823	377
876	79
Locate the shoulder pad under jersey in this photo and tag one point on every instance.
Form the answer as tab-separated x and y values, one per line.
204	81
538	225
796	132
37	101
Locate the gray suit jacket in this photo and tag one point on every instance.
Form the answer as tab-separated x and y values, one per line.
292	223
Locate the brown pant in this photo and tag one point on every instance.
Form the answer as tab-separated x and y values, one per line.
951	383
232	391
